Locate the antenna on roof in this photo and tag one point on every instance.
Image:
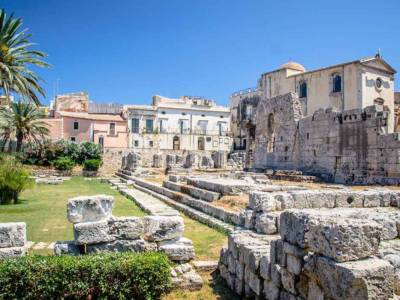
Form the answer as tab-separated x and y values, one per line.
378	54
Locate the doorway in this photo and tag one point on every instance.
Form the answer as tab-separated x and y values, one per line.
176	143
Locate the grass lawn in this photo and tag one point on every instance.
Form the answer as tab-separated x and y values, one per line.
44	208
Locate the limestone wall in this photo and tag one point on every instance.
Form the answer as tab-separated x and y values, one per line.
349	147
346	247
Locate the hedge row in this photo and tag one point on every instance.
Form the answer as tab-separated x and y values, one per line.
100	276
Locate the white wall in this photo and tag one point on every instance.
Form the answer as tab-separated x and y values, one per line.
187	140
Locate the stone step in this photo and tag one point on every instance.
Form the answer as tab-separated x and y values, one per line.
205	265
223	215
193	191
148	203
187	210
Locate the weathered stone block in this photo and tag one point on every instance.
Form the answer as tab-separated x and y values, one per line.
271	291
160	228
285	199
231	264
181	249
339	238
12	234
262	201
343	239
370	278
126	228
254	258
266	223
66	247
138	245
294	264
89	208
239	270
265	267
239	286
276	275
371	198
250	218
276	252
254	281
92	233
349	199
12	252
288	281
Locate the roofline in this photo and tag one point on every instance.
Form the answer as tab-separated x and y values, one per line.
360	61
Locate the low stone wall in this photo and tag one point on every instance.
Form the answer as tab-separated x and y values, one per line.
319	254
97	230
12	240
263	211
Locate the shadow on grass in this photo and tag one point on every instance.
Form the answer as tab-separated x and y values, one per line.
221	289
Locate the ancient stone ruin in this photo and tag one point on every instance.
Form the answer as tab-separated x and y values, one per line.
12	240
316	245
351	146
97	230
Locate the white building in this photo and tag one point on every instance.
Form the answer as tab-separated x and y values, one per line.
187	123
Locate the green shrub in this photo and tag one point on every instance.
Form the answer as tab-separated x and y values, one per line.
91	164
64	163
47	152
89	150
14	178
100	276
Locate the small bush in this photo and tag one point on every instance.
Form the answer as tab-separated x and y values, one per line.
88	150
100	276
13	180
91	164
64	163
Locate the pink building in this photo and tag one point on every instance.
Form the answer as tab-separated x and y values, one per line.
108	130
77	119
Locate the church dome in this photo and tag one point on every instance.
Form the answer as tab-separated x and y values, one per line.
293	66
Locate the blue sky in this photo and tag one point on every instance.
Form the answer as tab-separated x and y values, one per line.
125	51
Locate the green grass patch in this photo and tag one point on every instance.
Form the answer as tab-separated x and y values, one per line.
207	241
44	208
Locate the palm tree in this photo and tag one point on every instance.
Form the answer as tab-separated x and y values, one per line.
16	58
21	122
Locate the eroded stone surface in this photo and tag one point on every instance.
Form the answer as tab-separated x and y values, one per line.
89	208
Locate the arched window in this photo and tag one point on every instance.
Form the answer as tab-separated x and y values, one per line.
336	83
303	89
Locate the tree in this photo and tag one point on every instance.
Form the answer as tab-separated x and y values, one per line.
16	58
21	121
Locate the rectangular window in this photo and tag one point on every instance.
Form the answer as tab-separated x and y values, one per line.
112	128
72	139
222	128
135	125
183	126
203	126
136	143
151	144
149	126
76	125
163	125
